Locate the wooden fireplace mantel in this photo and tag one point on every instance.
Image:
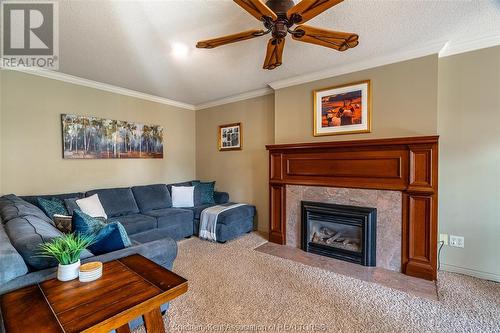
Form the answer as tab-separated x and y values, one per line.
409	165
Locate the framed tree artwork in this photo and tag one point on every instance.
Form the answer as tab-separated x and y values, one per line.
343	109
229	137
87	137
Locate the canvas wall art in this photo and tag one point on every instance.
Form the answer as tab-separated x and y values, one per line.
86	137
343	109
229	137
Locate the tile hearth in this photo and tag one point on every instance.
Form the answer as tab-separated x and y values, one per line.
384	277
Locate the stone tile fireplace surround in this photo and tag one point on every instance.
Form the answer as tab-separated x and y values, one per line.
397	176
389	210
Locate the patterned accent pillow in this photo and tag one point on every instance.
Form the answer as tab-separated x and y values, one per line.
203	193
63	223
107	237
86	224
52	206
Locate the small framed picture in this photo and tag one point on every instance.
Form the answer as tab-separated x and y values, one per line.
229	137
343	109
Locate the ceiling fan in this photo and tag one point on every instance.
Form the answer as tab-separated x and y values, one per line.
278	17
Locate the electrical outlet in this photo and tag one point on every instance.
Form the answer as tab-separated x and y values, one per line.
443	238
457	241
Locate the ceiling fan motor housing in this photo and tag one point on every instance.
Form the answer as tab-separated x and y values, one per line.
281	25
280	7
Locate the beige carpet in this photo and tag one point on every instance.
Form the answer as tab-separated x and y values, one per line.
235	289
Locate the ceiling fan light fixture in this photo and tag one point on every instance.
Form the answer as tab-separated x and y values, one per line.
180	50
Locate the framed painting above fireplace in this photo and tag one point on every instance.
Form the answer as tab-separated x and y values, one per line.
343	109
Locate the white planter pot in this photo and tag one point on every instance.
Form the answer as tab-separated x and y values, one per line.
68	272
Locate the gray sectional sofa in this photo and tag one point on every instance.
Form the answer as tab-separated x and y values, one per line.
146	212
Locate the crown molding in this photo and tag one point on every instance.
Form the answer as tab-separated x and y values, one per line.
442	48
235	98
470	44
428	49
103	86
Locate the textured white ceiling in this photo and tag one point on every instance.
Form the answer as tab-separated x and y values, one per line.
129	43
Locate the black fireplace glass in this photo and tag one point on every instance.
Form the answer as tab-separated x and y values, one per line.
340	231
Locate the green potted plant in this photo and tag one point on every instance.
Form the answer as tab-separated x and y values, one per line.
66	250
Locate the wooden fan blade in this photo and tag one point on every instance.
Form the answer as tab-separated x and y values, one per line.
307	9
339	41
257	9
274	55
211	43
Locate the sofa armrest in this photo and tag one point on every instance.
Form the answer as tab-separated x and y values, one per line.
162	251
221	197
12	264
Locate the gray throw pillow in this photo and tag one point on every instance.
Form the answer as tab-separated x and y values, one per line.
71	205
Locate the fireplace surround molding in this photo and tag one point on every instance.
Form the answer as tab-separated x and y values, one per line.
409	165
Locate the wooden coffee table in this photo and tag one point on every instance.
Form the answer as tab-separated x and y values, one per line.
129	287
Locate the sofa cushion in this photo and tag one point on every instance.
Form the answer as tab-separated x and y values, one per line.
12	264
241	212
12	206
151	197
136	223
221	197
229	215
27	233
178	221
33	199
117	201
198	209
150	236
231	230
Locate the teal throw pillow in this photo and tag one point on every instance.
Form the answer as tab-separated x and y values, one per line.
107	237
52	206
203	193
85	224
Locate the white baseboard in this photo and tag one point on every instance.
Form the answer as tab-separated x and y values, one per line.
471	272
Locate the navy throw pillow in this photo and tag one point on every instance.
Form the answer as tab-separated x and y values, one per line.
111	237
203	193
52	206
107	237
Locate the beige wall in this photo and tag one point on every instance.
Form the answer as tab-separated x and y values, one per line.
468	123
456	97
1	103
31	140
404	103
242	173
